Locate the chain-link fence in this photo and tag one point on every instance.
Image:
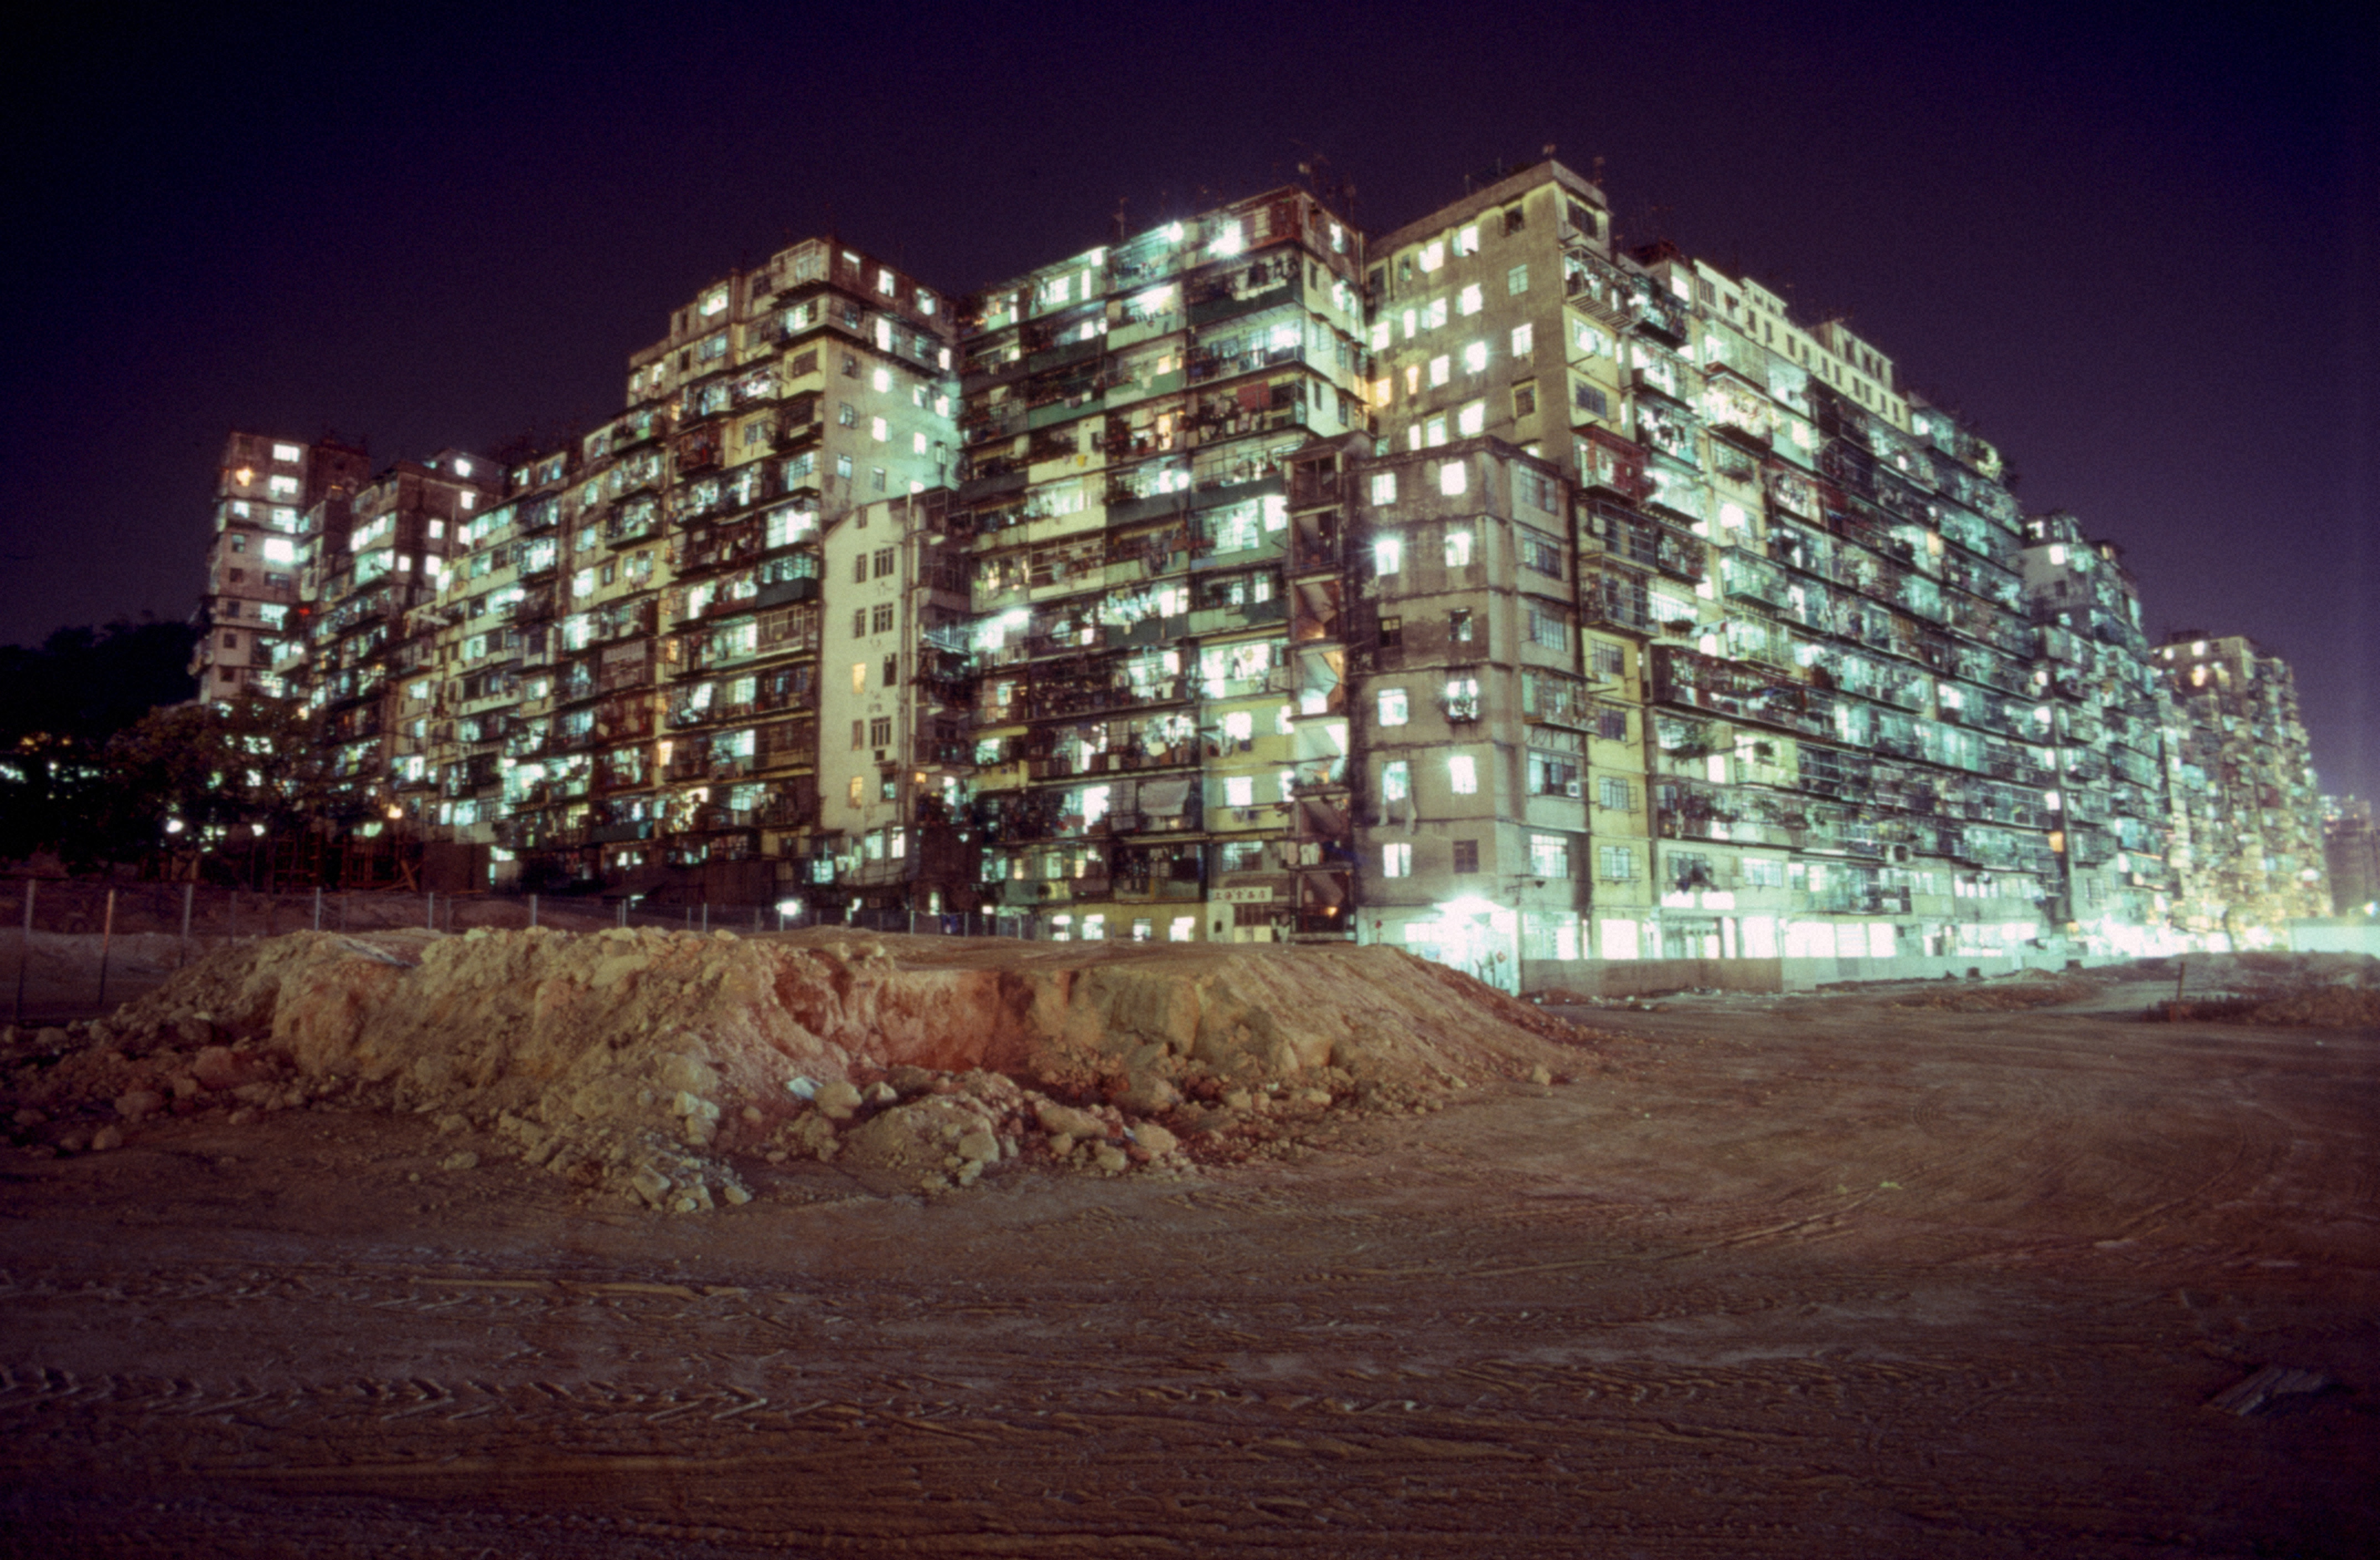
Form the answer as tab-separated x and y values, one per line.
72	948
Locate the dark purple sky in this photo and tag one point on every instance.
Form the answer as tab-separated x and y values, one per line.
2140	252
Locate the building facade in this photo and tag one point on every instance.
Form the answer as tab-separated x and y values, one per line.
2246	812
252	612
1485	588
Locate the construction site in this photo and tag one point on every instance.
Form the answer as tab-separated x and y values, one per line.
352	1237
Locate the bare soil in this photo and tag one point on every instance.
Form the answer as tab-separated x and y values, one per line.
1812	1276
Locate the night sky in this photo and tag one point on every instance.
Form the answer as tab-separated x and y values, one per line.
2140	252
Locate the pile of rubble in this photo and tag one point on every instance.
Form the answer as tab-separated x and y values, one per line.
653	1064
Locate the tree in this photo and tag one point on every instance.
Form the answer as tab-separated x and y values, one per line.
226	772
60	704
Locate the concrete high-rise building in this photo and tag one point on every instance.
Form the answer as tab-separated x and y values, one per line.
1141	715
2351	854
1489	587
251	616
2247	816
1787	592
2110	714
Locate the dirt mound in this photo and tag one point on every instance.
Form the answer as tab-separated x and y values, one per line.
647	1062
2014	994
2333	1007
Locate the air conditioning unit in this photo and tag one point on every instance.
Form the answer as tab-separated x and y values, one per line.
1896	853
1574	788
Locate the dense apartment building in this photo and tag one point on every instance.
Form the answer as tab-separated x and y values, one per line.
2109	714
2246	816
1484	589
251	614
617	676
1141	715
1788	592
2351	847
372	560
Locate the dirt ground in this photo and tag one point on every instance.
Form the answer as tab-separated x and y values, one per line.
1783	1276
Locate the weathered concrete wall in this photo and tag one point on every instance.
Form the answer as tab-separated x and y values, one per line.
1603	977
2335	935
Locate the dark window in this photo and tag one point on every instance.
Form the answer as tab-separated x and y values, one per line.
1466	856
1392	632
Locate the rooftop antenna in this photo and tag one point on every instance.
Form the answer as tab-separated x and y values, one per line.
1122	227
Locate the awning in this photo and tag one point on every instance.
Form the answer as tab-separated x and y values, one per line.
1164	799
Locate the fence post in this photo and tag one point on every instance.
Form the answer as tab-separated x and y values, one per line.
106	943
705	918
429	909
25	951
756	920
624	913
189	891
318	907
532	912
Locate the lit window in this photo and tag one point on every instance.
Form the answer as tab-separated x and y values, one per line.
1412	326
1394	710
280	550
1472	420
1396	860
1466	240
1463	774
1434	432
1240	727
881	379
1434	314
1442	368
1458	549
1516	280
2058	553
859	676
1388	555
880	429
1453	479
288	455
1433	254
1413	379
1524	340
1470	301
1396	780
1548	855
1239	790
1384	487
1474	357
